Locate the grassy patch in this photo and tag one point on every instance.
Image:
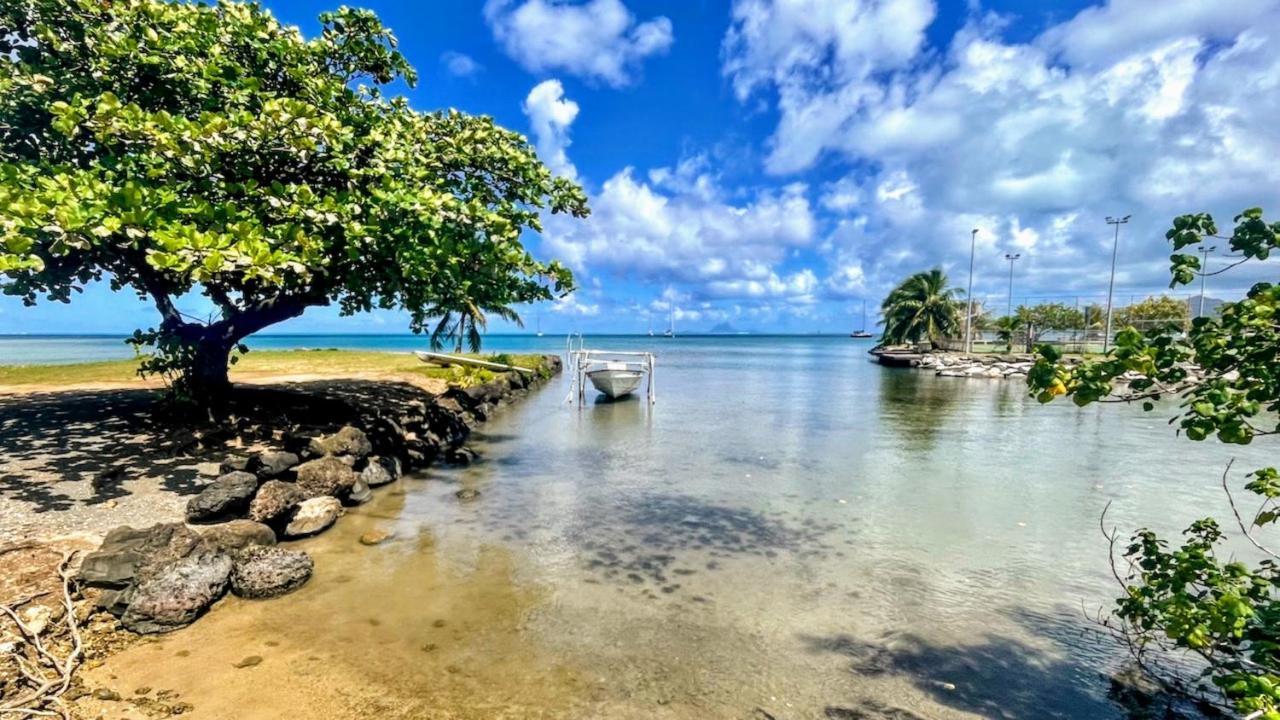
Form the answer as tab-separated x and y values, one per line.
266	363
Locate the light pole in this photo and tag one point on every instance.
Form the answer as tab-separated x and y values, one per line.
1204	272
968	316
1011	257
1115	246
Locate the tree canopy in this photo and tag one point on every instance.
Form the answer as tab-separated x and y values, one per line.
173	148
1226	370
1154	311
924	306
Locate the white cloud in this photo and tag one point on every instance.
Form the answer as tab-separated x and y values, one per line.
460	65
572	305
598	40
1153	109
550	115
822	58
679	226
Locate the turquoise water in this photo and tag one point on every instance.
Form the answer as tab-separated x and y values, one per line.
791	529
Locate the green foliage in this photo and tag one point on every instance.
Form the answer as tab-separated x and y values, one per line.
174	148
1036	319
922	307
1227	372
1007	328
1161	311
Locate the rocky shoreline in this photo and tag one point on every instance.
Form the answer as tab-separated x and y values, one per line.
321	451
1011	366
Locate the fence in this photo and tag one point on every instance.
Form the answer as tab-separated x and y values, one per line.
1074	323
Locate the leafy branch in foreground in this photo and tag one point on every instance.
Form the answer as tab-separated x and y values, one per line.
177	149
1226	370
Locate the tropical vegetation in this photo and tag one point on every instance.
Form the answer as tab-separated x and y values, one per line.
923	307
1191	594
1154	311
181	150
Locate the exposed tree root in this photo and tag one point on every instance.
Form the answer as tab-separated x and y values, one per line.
45	675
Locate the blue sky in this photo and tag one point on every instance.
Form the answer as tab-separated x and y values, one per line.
773	163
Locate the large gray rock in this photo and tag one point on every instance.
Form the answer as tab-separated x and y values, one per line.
274	502
233	463
228	496
380	471
127	553
237	534
178	592
326	476
313	516
347	441
274	463
264	572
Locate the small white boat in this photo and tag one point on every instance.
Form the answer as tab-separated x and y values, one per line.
614	379
614	374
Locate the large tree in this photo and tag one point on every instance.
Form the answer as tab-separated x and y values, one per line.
924	306
1226	370
174	148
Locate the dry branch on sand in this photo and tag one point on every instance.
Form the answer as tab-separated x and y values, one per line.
44	675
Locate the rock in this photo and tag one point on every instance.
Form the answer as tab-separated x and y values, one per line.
380	471
274	463
36	617
313	516
237	534
263	572
460	456
248	662
209	469
227	496
376	537
127	553
359	493
347	441
234	463
178	592
275	502
326	476
106	695
467	494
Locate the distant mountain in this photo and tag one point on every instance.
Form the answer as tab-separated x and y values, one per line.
1212	306
725	328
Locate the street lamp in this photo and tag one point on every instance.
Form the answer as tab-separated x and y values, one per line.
968	316
1011	257
1111	287
1204	272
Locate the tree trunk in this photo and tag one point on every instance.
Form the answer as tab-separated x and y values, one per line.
207	380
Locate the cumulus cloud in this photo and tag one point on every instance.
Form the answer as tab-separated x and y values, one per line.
599	40
678	225
550	115
1131	107
460	65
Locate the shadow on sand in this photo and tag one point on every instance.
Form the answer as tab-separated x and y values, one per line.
1003	677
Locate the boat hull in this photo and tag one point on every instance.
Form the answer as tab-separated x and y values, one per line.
615	383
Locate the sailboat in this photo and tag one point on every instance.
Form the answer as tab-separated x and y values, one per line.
671	330
863	332
651	323
538	324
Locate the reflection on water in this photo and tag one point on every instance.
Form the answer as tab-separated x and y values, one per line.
791	532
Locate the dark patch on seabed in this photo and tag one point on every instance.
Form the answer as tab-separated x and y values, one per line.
655	540
997	676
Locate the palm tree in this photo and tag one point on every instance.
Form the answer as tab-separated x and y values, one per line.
463	319
1006	328
923	306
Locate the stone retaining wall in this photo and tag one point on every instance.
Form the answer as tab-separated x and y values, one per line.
324	447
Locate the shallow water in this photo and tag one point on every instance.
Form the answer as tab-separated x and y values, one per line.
791	532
